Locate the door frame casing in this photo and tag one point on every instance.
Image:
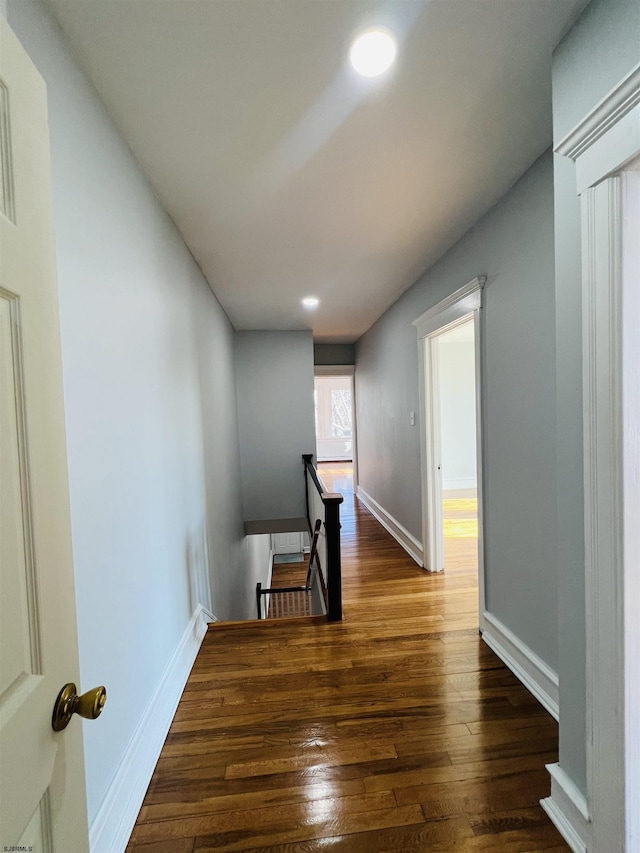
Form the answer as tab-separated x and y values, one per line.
464	304
602	147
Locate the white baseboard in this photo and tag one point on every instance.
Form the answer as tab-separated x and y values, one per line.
112	825
567	808
267	598
525	664
399	533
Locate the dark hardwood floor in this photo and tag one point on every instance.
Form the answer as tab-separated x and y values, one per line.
396	730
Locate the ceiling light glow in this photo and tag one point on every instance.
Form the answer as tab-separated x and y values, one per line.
311	302
373	52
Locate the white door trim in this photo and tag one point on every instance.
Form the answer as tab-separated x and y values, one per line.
460	305
602	145
461	302
605	138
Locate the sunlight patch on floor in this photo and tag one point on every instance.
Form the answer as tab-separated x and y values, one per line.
460	518
461	528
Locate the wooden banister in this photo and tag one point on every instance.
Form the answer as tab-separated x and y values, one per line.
334	561
333	570
310	467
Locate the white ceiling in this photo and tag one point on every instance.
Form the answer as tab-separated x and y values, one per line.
288	175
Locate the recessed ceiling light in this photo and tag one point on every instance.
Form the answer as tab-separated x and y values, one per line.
311	302
373	52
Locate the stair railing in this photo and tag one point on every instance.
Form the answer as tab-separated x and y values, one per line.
290	600
284	601
324	506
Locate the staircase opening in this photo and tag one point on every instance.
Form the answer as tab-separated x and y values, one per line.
321	592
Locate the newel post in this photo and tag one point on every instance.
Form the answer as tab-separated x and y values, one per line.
258	602
334	565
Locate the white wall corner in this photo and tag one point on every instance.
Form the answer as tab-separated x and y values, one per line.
112	825
533	672
391	525
567	808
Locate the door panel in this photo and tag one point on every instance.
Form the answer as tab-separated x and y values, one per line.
41	773
19	651
287	543
37	835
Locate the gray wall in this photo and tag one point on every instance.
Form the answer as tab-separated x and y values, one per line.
601	49
274	376
330	354
513	246
151	412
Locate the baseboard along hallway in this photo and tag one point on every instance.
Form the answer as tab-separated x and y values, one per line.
397	729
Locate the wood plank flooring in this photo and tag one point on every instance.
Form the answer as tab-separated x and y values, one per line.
396	730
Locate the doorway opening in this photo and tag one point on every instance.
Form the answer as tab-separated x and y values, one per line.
335	414
454	438
451	440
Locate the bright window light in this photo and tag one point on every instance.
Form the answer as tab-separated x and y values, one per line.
373	52
311	302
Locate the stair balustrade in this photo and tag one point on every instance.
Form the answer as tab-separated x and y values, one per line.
323	518
324	506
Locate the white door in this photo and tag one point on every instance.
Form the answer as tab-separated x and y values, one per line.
287	543
42	798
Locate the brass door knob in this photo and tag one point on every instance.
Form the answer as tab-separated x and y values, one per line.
68	703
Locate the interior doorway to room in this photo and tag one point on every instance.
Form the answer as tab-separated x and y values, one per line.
450	365
334	412
454	434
